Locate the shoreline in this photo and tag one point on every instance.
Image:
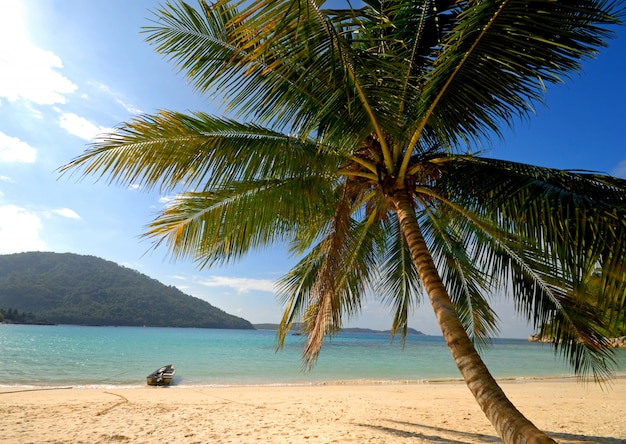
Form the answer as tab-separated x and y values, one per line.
9	388
441	411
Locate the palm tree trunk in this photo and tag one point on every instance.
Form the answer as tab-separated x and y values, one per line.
510	424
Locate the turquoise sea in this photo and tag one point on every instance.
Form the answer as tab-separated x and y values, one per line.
79	356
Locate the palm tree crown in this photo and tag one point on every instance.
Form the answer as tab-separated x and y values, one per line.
354	149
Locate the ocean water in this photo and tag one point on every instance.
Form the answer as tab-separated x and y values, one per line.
78	356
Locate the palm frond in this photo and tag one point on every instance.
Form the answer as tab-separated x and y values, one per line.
327	283
400	287
555	229
170	149
280	65
496	61
220	226
457	247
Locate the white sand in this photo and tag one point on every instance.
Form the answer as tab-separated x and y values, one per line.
442	412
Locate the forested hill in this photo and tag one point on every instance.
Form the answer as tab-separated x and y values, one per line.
73	289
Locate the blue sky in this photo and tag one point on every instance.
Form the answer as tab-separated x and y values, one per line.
71	69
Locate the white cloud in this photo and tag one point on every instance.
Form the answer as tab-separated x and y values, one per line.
100	86
13	149
19	230
35	113
66	212
128	107
166	199
620	170
242	285
26	71
131	109
81	127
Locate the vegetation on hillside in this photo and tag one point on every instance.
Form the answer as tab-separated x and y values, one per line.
74	289
13	316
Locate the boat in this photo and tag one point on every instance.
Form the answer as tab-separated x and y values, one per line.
162	376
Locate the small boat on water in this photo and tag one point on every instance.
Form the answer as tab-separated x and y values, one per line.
162	376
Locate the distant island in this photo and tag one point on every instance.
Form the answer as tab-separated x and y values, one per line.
66	288
295	328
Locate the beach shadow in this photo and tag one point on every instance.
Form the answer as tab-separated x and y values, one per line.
433	434
570	438
449	436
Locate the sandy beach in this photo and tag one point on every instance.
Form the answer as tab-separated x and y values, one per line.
437	412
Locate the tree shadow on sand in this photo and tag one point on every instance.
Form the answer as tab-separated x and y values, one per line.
449	436
432	434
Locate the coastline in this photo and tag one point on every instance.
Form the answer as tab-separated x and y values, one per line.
338	411
177	383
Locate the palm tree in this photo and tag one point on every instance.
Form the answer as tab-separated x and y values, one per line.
353	147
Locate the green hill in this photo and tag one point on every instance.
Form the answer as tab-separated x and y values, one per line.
73	289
